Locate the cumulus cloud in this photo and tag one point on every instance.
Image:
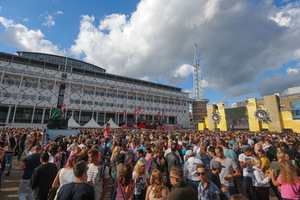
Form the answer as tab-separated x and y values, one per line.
19	36
278	83
237	41
49	19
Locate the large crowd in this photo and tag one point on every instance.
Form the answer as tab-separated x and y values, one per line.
153	164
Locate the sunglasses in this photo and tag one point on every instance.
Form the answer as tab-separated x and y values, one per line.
201	173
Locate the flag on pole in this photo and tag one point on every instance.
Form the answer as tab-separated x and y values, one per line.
124	116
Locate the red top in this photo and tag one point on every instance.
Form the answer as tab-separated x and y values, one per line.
106	131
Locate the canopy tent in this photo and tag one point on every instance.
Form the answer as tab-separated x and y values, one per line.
92	124
125	127
112	124
72	123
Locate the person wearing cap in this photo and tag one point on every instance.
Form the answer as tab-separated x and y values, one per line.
245	160
207	190
190	172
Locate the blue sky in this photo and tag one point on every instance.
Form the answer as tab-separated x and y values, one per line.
246	48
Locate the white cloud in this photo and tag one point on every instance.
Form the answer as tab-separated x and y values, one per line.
49	18
0	8
293	71
26	19
49	21
19	36
237	41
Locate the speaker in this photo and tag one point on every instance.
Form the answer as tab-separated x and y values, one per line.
57	124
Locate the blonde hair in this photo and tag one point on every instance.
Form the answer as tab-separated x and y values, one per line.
255	161
137	169
117	148
280	155
203	150
288	173
157	183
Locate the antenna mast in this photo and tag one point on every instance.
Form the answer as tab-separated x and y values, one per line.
197	77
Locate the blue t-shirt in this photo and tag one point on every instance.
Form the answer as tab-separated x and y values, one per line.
31	161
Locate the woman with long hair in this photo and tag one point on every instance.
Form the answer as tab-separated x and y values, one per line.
124	184
9	153
54	155
114	157
157	190
202	155
288	179
149	153
65	175
141	180
72	147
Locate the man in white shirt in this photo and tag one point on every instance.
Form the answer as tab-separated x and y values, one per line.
245	160
190	170
97	174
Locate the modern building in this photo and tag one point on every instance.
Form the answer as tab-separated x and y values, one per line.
32	84
199	110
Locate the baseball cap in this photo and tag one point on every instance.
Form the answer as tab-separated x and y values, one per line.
189	153
216	164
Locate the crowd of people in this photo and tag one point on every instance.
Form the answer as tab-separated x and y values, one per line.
153	164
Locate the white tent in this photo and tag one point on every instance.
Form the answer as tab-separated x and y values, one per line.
112	124
72	123
92	124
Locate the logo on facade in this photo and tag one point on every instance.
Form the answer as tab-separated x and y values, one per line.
216	117
262	115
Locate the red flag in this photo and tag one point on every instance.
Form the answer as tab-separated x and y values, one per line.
124	116
158	116
139	114
163	116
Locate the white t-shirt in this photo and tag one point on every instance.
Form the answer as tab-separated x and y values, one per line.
140	183
248	169
98	184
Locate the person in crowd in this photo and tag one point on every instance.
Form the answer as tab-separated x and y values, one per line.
28	165
265	161
63	146
78	189
2	153
276	167
172	159
202	155
260	181
213	176
9	153
113	159
106	130
189	170
179	189
129	155
228	153
72	146
125	184
65	175
245	160
229	171
154	162
141	180
288	180
43	177
22	143
120	164
98	174
149	153
140	155
54	155
207	190
157	190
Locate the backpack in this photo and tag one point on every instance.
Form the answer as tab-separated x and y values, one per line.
100	175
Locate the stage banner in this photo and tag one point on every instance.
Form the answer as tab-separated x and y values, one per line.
124	116
163	116
158	116
139	114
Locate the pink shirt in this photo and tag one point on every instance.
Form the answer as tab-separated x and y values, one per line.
289	191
